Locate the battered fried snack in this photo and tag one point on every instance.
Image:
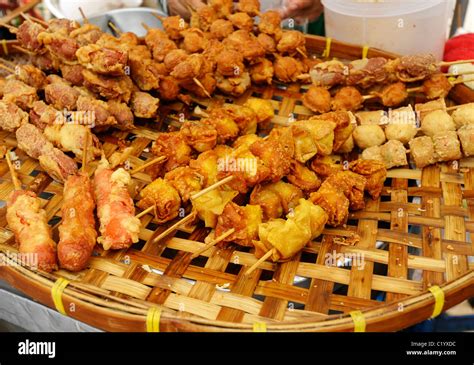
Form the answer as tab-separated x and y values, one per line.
437	86
163	197
347	98
317	99
303	177
287	69
375	173
393	94
200	136
369	135
262	71
144	105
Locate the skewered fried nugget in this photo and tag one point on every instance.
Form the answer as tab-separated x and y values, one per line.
326	166
147	73
291	42
46	62
322	133
416	67
251	7
109	87
367	72
270	23
11	116
263	109
305	145
301	226
393	94
424	109
65	26
98	108
463	115
230	63
207	81
328	73
222	7
86	34
317	99
60	94
373	117
347	98
206	165
173	26
194	40
241	21
185	180
144	105
246	140
102	60
273	156
164	197
345	122
72	74
42	115
262	71
226	128
243	116
393	154
189	68
446	146
287	69
437	86
375	173
235	85
369	135
62	47
173	146
334	203
19	93
246	44
122	113
31	76
267	42
400	132
221	29
169	88
276	198
352	185
203	17
27	35
466	136
422	151
245	221
211	205
159	43
303	178
436	122
202	137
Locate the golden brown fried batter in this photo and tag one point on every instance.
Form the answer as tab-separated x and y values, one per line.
202	137
437	86
241	21
291	42
261	72
334	203
303	178
287	69
347	98
393	94
230	63
173	146
163	197
194	40
270	23
375	173
267	42
317	99
352	185
251	7
185	180
221	29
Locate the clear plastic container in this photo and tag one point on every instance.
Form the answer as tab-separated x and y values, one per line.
404	27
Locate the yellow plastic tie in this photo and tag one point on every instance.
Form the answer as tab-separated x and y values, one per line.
57	294
260	327
438	294
5	47
153	319
327	50
359	321
365	51
452	79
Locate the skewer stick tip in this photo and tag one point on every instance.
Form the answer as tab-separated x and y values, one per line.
260	260
16	182
83	15
198	83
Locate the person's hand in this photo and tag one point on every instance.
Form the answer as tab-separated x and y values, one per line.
182	7
301	10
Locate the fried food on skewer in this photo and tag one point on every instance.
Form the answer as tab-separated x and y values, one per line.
230	63
19	93
159	44
203	17
27	35
72	74
102	60
287	69
11	116
194	40
347	98
144	105
317	99
374	172
163	197
241	21
267	43
221	29
173	26
262	71
437	86
416	67
291	42
270	23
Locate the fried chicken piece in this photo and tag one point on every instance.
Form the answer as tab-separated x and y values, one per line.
267	42
103	60
207	81
145	71
203	17
174	58
244	220
326	166
19	93
86	34
173	146
200	136
241	21
159	43
185	180
317	99
109	87
235	85
169	88
193	66
230	63
270	23
42	115
261	72
227	130
263	108
163	197
291	42
99	109
173	26
437	86
27	35
46	62
352	185
393	94
60	46
221	29
347	98
144	105
245	43
273	156
72	74
31	76
223	8
11	116
303	178
374	172
194	40
122	113
416	67
251	7
334	203
244	117
287	69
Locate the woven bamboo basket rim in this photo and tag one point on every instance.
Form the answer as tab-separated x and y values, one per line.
102	301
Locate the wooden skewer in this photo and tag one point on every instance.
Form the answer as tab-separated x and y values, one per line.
212	187
7	68
458	73
83	16
145	212
32	19
8	63
301	52
16	182
159	17
260	260
175	226
214	242
198	83
115	29
84	153
146	26
24	50
441	64
11	28
149	163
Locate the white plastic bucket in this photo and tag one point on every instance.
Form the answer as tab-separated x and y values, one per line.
400	26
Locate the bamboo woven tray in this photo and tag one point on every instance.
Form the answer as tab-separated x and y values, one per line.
424	218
